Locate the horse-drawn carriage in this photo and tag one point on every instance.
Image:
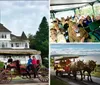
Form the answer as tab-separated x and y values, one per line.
16	69
69	66
62	65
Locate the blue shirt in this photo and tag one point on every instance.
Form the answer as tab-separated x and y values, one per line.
29	61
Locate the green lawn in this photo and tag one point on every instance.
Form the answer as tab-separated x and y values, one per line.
55	81
96	74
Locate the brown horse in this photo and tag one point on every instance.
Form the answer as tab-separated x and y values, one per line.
77	67
73	69
89	67
80	68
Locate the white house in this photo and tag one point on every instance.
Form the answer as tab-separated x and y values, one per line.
9	40
15	46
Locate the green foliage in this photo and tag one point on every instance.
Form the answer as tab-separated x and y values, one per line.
88	10
40	41
96	74
51	61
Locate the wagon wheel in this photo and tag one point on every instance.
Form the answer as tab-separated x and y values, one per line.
5	76
43	74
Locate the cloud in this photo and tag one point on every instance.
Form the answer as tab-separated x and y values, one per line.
75	49
86	51
23	15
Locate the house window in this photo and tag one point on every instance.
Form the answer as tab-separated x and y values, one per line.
6	44
17	44
12	45
3	45
2	36
25	45
5	36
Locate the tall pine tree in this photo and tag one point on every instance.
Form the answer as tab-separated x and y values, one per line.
41	40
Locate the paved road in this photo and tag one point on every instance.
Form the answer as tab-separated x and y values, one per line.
23	81
26	82
78	82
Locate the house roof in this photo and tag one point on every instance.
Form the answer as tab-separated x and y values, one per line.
18	38
13	37
3	28
23	36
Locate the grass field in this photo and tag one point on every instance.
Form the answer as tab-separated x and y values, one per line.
55	81
96	74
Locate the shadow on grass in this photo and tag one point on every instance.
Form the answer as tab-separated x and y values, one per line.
56	81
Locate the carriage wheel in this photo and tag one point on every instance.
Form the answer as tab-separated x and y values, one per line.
5	76
43	75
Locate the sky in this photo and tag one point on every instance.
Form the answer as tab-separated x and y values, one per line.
21	15
87	51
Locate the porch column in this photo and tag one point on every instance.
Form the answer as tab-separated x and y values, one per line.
92	3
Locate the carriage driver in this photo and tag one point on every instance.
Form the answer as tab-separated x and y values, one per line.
10	60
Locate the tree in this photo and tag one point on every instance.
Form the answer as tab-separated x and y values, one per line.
40	41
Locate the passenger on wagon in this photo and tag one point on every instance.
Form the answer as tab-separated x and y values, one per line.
29	64
77	34
53	35
68	64
93	18
34	64
34	61
60	33
88	20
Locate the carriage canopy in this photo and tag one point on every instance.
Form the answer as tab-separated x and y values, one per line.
61	5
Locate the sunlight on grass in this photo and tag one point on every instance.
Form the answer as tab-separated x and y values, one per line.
96	74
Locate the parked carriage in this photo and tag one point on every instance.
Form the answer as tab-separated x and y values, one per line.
15	69
12	70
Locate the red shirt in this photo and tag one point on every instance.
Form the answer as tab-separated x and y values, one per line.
34	61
